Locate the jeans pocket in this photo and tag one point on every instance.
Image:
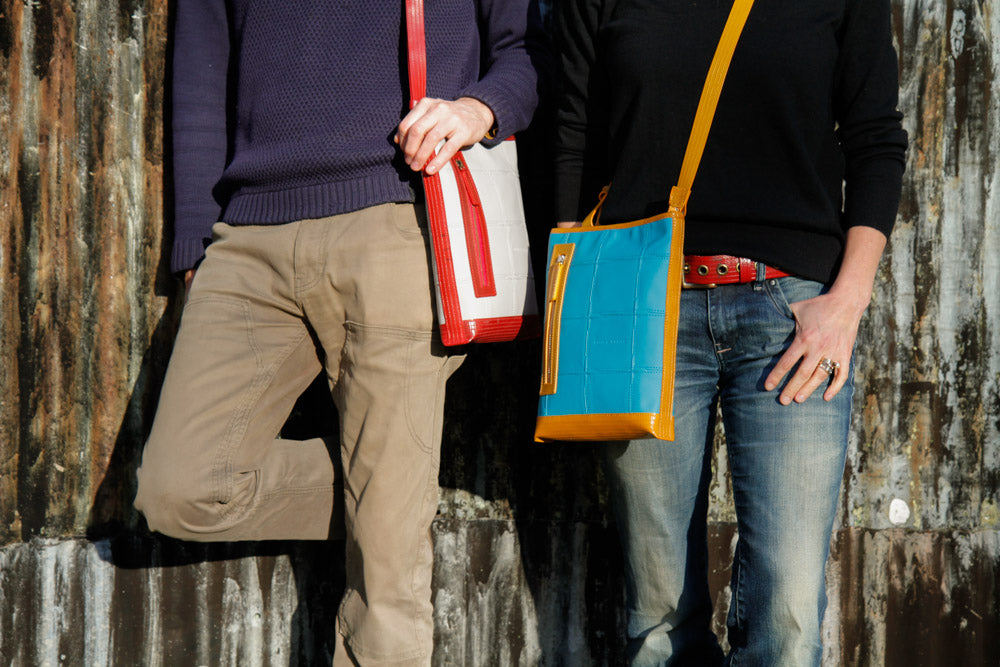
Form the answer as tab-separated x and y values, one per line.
783	292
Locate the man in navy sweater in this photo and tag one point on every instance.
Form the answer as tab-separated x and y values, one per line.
294	170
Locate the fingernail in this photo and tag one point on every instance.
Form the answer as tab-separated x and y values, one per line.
768	386
784	400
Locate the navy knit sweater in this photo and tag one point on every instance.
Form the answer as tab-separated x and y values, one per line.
808	106
285	110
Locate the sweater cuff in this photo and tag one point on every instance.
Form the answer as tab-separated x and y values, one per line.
504	118
872	200
187	253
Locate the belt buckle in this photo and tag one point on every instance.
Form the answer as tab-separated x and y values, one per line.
686	285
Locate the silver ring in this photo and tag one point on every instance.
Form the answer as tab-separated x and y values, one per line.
828	365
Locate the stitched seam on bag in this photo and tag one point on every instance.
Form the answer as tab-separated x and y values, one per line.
590	316
635	321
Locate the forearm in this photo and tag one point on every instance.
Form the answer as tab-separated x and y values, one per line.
856	276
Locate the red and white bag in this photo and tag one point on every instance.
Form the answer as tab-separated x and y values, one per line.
482	267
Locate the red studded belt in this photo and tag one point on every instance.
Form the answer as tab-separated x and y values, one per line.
712	270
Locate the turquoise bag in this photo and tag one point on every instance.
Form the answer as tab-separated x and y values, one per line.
613	302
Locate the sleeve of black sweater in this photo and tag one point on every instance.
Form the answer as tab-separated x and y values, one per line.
200	75
580	151
865	106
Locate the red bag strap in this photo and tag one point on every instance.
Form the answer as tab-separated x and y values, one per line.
416	51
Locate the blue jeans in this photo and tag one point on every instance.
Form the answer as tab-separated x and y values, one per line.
786	463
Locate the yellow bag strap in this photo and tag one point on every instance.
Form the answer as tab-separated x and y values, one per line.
706	106
680	193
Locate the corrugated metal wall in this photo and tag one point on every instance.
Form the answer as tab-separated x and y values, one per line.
527	560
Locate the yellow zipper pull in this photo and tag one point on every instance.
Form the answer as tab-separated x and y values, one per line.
562	255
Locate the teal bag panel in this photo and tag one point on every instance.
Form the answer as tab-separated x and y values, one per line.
610	354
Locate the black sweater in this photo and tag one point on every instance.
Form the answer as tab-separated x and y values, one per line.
806	141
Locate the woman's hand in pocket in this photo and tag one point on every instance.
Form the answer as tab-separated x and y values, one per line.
826	327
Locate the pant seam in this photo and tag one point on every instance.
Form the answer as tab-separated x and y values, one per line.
430	489
301	287
738	604
408	408
223	472
295	491
221	478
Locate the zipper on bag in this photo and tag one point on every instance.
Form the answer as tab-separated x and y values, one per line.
476	237
562	256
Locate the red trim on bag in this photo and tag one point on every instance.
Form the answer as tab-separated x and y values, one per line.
504	329
477	241
454	331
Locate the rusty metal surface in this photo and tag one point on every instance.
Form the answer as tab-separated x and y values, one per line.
82	85
527	565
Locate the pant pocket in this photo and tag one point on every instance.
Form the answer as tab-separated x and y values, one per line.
783	292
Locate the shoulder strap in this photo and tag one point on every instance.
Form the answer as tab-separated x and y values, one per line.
416	51
706	105
680	193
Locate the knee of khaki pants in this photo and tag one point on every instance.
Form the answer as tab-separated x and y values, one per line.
178	501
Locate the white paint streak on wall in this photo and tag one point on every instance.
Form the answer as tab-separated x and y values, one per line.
899	512
97	574
51	626
203	616
152	603
280	614
232	612
251	652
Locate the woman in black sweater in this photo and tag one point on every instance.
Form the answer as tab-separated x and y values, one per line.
788	217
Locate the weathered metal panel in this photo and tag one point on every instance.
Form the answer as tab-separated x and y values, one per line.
527	567
506	593
82	203
928	419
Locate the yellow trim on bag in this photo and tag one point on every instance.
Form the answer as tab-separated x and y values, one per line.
671	320
629	426
562	257
597	228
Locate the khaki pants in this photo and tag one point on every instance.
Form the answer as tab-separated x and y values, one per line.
270	307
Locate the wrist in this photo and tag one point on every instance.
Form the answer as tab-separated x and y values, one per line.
487	121
852	297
